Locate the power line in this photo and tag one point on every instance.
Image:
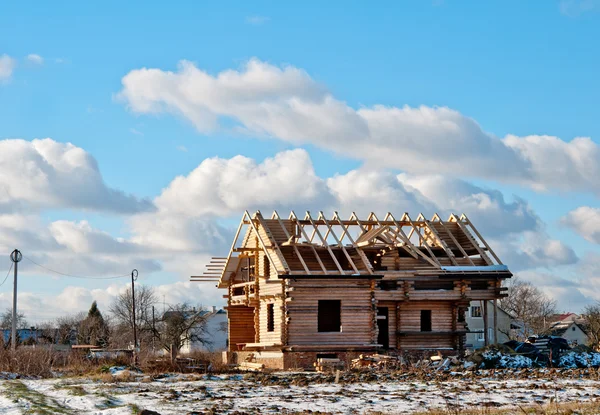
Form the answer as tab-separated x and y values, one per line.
73	276
7	274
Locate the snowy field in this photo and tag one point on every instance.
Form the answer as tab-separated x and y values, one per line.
248	394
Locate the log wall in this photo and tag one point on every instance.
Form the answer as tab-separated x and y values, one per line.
357	314
240	325
409	320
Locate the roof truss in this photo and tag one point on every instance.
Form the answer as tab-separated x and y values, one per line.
317	244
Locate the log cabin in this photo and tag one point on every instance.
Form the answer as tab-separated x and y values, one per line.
311	287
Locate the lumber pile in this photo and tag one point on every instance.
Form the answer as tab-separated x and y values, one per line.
328	364
378	361
251	366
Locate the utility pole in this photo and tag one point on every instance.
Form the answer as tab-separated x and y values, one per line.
15	257
134	275
153	330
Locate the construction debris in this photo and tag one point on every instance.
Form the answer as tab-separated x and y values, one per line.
328	364
252	366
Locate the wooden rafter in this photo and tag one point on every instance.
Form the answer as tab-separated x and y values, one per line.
287	235
330	230
325	244
437	219
465	218
262	243
315	253
421	239
406	243
360	253
454	218
439	238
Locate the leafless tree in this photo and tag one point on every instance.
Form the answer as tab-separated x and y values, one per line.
530	306
62	330
122	313
182	324
591	316
6	320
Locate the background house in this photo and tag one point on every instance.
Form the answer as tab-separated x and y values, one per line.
216	333
570	327
508	327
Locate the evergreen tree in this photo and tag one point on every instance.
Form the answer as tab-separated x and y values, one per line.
93	329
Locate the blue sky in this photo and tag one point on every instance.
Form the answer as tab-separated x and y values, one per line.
519	68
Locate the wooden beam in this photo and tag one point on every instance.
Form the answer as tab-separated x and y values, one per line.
462	251
486	340
454	218
410	244
481	238
253	225
337	264
330	230
440	240
288	236
295	218
359	251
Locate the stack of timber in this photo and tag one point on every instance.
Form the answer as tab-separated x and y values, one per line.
327	364
251	366
377	361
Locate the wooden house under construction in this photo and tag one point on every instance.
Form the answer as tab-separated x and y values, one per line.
307	287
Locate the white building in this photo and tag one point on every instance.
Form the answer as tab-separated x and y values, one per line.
216	333
474	318
570	327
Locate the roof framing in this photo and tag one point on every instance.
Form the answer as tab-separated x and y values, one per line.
321	245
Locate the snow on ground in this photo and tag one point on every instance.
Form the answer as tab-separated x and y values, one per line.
226	394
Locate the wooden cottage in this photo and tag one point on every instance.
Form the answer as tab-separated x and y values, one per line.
303	288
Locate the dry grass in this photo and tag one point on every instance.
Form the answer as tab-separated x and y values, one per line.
44	362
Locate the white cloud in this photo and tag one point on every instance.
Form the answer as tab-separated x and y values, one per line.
7	66
532	249
35	59
364	191
220	187
257	20
74	248
487	208
585	221
42	174
40	307
286	103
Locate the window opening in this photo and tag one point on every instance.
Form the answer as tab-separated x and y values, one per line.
425	320
270	317
330	316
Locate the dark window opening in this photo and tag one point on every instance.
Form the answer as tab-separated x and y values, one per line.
267	266
434	285
387	285
238	291
270	317
479	285
383	330
327	356
330	315
425	320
